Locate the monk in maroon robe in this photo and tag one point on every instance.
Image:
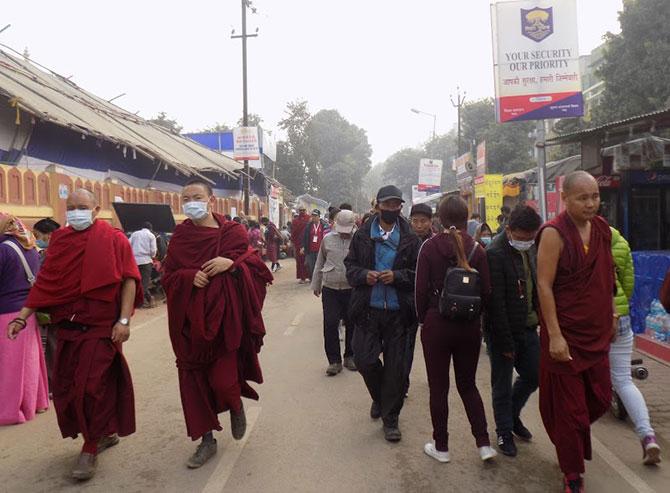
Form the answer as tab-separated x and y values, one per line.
215	284
297	237
576	288
89	283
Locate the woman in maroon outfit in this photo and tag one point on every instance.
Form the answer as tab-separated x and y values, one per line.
444	339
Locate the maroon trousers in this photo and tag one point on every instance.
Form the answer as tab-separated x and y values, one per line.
441	343
301	268
207	391
569	403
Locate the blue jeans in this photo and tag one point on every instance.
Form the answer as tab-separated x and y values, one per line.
508	398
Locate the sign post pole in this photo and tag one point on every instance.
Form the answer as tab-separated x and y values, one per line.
541	154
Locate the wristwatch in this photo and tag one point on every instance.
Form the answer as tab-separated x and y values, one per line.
125	321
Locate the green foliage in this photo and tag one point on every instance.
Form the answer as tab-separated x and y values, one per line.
253	119
162	120
217	128
636	69
402	170
323	154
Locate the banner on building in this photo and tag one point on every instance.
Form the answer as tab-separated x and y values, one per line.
481	159
536	60
463	164
490	188
245	144
430	175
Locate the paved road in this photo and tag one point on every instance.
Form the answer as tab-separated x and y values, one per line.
308	432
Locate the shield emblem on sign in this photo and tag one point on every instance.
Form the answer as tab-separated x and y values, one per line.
537	24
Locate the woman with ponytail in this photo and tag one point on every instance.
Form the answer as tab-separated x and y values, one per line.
444	339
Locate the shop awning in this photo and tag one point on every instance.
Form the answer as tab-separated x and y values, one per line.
56	99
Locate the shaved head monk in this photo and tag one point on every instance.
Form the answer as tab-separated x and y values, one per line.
215	284
89	284
575	277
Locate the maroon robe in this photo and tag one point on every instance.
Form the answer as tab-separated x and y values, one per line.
80	281
574	394
297	237
216	331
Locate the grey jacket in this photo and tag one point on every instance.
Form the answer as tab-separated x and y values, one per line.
330	271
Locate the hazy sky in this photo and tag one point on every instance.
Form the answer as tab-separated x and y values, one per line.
372	60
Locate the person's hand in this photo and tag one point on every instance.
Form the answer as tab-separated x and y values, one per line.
372	277
200	280
558	349
14	327
120	333
509	355
387	277
302	251
217	265
317	292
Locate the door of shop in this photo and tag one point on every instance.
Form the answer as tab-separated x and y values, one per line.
649	225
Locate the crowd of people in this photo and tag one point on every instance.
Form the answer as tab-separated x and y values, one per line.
550	300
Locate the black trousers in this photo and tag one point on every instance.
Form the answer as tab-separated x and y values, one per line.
335	305
145	272
508	398
382	332
409	353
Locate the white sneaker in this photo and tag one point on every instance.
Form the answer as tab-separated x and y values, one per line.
487	453
430	449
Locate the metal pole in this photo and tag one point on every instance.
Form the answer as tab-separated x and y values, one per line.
434	125
245	109
460	148
541	168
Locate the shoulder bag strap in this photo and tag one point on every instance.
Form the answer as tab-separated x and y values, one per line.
472	253
29	273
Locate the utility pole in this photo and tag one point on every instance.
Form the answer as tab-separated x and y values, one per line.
540	151
458	104
245	107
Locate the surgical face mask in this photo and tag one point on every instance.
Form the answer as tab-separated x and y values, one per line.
485	240
42	244
390	217
79	219
522	246
195	210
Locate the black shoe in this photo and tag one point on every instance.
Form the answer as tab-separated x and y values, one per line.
506	444
238	424
521	431
392	433
375	410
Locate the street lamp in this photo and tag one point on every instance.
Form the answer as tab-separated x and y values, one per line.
419	112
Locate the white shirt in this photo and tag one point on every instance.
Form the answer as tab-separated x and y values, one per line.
143	243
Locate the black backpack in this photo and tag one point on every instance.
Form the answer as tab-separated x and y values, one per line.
460	299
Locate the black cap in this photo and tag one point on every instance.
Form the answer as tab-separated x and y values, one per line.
389	192
316	212
424	209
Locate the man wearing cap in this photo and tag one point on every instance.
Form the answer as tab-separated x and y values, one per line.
421	221
381	267
330	282
311	242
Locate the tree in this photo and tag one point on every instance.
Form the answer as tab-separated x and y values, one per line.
340	152
372	182
253	119
635	68
402	170
216	128
294	169
169	124
509	148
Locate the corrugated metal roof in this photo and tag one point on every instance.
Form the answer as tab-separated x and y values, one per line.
58	100
577	136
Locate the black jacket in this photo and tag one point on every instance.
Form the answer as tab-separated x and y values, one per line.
361	259
508	307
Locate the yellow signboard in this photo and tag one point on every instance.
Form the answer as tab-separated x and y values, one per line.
490	188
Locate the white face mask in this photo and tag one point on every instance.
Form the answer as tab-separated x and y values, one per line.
522	246
195	210
79	219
